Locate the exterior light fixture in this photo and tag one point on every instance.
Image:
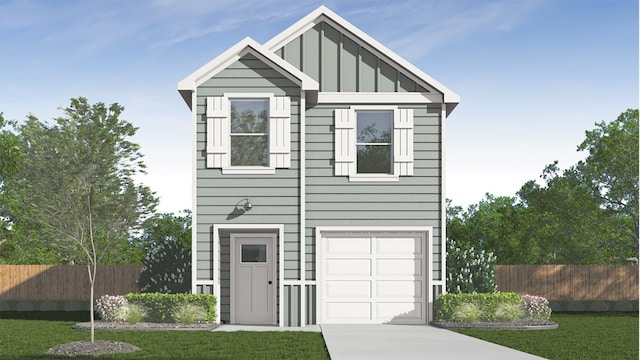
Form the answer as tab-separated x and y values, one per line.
246	206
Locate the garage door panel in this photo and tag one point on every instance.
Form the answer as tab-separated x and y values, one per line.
348	246
345	312
398	246
348	289
373	278
348	267
396	267
399	312
399	289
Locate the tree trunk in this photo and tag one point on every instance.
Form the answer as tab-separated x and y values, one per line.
92	281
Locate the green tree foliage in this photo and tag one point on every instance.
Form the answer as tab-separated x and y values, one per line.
163	226
76	184
612	168
585	214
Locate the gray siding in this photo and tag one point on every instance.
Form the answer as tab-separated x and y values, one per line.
334	59
275	198
412	201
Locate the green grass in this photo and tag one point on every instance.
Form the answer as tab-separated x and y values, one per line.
578	336
30	339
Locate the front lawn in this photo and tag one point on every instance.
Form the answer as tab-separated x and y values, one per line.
579	336
30	339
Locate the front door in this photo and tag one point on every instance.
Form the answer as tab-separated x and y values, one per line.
253	279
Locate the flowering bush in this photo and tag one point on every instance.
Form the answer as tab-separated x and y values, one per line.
535	307
469	271
108	306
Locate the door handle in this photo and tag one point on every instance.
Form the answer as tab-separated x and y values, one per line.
270	282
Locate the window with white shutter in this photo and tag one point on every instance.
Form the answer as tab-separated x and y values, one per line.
373	143
248	133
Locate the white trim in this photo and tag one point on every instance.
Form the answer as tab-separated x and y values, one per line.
428	236
245	170
204	282
378	98
443	202
233	263
243	47
280	260
303	208
322	13
373	177
194	197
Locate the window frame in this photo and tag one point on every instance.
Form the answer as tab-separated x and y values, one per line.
266	134
389	144
354	175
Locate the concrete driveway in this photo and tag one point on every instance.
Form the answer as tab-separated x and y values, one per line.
403	342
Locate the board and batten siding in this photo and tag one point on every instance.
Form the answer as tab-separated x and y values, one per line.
335	201
275	198
340	64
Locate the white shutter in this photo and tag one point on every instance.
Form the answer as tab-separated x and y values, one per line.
280	132
218	132
403	142
345	142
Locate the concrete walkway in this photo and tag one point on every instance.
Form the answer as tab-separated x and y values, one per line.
352	342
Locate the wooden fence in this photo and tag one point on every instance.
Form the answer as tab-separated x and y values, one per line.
49	282
571	282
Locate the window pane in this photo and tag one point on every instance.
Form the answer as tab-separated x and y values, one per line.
374	159
254	253
374	126
247	150
249	116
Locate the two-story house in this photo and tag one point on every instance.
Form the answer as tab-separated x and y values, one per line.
318	179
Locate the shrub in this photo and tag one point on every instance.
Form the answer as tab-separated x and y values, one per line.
468	312
535	307
508	312
469	271
131	313
166	269
188	314
160	307
447	304
108	306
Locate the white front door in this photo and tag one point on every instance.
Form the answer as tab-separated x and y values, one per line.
253	279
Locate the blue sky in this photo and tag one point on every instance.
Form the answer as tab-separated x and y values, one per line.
533	75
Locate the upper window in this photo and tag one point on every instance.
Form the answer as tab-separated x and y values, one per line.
373	143
374	140
248	133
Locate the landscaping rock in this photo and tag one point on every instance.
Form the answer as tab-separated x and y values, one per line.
99	347
496	325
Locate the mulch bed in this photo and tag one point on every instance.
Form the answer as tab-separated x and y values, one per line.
101	347
124	326
496	325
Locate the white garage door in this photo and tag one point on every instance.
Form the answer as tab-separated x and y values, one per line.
373	278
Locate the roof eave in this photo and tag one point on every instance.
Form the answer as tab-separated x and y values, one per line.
189	84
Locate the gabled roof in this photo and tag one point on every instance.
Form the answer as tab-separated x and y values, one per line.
322	13
245	46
